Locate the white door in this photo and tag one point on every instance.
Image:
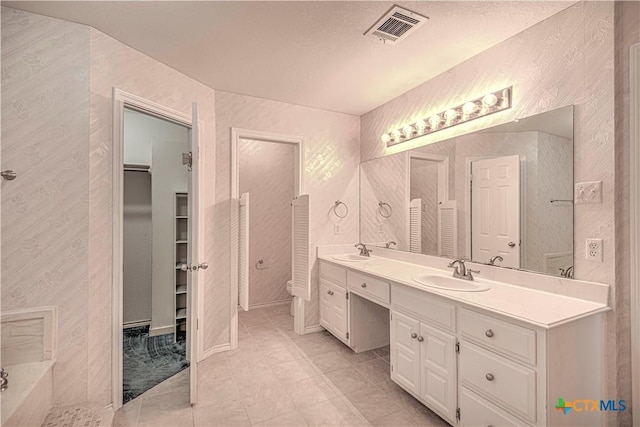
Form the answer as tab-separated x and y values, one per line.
405	352
326	291
243	253
194	252
438	370
495	208
300	248
339	310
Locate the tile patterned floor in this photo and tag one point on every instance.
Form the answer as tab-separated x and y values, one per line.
277	378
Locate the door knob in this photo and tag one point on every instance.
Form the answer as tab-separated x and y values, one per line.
511	244
203	266
9	175
184	267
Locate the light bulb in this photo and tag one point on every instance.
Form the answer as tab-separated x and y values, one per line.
469	108
434	121
451	115
386	138
421	125
396	135
490	100
408	131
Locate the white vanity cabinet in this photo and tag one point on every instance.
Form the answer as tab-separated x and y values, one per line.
333	301
423	349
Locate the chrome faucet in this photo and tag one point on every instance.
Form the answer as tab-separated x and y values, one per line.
493	259
568	273
4	382
363	249
461	271
388	244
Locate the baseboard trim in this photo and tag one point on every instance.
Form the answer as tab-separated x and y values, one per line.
312	329
270	304
136	324
215	349
163	330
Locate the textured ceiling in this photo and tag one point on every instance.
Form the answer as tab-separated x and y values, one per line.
307	53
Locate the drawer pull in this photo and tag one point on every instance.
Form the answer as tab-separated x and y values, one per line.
489	377
364	285
420	339
414	335
330	292
489	333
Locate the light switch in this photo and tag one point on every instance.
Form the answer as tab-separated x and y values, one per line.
588	192
336	229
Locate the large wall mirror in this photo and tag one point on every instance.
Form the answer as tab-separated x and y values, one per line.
503	196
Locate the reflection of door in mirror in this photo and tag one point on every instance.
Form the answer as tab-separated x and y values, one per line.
495	207
428	190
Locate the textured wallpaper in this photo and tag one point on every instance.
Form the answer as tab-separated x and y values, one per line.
45	211
331	165
267	174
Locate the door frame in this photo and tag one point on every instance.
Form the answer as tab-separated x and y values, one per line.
122	99
299	143
467	202
443	177
634	206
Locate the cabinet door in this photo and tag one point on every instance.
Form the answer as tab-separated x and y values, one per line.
438	370
326	301
405	352
339	312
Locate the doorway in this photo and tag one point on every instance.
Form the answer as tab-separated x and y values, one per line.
257	159
155	222
155	245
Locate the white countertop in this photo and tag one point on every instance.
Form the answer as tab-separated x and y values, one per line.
540	308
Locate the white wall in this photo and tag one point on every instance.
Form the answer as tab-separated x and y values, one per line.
267	174
137	244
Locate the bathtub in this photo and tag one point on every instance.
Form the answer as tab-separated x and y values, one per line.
28	355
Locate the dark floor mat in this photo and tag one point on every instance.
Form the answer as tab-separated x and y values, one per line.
147	361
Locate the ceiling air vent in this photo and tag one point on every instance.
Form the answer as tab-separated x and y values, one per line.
396	24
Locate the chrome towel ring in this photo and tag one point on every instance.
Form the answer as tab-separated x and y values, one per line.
384	212
335	209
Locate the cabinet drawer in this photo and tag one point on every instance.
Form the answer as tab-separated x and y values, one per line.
333	273
513	341
476	411
432	309
510	385
368	286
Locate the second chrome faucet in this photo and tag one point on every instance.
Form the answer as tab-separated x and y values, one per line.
460	271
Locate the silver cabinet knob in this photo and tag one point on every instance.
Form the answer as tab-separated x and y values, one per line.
203	266
330	292
489	377
489	333
420	339
414	335
364	285
9	175
511	244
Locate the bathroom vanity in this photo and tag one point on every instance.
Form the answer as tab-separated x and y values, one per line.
502	356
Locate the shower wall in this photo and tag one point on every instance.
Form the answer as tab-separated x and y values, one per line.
267	174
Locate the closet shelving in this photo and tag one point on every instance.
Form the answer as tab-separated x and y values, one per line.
181	235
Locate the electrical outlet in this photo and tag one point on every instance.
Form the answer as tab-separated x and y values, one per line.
588	192
594	250
336	229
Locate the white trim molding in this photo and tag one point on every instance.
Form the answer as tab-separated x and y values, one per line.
122	99
634	178
236	135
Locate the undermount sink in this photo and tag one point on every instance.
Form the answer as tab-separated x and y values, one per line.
451	284
350	257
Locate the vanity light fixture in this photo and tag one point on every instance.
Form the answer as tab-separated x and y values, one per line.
480	107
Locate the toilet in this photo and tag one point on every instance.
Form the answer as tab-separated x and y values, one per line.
289	291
